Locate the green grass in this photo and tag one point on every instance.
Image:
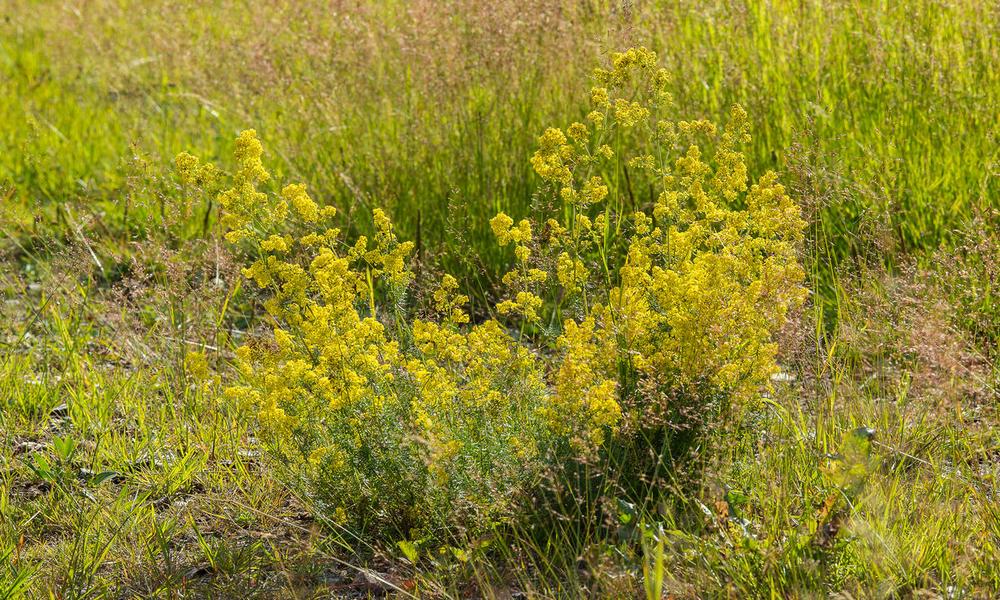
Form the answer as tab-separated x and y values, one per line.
122	476
884	111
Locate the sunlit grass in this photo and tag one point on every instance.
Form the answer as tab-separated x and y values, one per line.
870	468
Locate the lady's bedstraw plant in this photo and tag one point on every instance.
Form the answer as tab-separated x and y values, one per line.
676	293
420	427
415	429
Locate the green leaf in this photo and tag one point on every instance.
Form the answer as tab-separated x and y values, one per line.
101	477
409	550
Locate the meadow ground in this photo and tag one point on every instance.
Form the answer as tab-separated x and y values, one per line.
743	440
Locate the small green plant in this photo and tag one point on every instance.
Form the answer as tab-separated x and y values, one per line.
14	579
652	561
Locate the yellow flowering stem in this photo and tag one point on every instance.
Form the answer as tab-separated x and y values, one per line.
605	238
371	290
618	206
597	144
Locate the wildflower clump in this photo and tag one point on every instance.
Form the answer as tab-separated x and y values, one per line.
523	280
636	318
678	297
404	427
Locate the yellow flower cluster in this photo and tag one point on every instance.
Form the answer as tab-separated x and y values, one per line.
553	155
524	279
449	302
191	171
571	272
386	424
695	284
247	210
584	393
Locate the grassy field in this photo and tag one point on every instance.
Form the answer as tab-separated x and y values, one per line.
144	454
